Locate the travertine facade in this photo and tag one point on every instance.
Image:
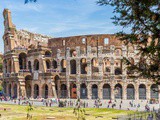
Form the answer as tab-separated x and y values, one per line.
86	66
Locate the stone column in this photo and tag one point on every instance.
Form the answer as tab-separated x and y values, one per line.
89	91
18	89
78	66
124	92
112	92
32	90
100	91
78	90
136	91
100	60
148	92
89	70
40	91
112	65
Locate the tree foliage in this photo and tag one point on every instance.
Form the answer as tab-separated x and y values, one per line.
27	1
143	19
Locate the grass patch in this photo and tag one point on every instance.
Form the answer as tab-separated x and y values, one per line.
41	113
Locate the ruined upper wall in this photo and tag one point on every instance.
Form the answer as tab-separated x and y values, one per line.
20	39
104	40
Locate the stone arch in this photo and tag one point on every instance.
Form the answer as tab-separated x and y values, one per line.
73	52
118	66
118	91
83	64
83	91
73	91
131	48
154	93
130	91
94	64
22	60
57	83
106	65
36	91
54	64
48	64
118	71
106	91
73	67
48	53
36	64
142	91
28	89
63	91
45	91
118	52
28	79
94	91
63	65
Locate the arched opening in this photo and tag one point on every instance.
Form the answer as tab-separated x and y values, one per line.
154	93
48	54
57	83
9	90
45	91
73	52
130	92
94	64
83	66
118	71
15	91
36	64
63	65
28	89
54	63
63	91
142	91
28	79
22	61
106	91
36	91
48	64
94	91
73	91
29	66
73	68
118	91
83	90
106	66
118	52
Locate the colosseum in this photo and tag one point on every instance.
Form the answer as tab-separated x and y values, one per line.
84	66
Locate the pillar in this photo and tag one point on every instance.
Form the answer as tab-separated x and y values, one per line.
124	92
148	92
136	91
89	91
112	92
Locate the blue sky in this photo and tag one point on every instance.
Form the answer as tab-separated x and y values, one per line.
59	17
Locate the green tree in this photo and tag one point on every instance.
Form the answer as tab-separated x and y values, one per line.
142	17
27	1
1	88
